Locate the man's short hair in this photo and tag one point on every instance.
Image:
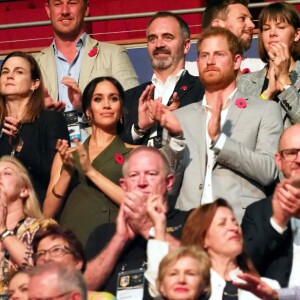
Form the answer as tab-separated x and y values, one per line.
218	10
66	234
165	164
233	42
184	27
69	279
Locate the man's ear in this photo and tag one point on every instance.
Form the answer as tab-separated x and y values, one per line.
47	9
170	180
123	184
186	46
237	62
278	161
218	23
87	11
76	295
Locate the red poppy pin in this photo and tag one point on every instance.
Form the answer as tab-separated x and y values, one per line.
184	88
93	52
246	70
241	103
119	159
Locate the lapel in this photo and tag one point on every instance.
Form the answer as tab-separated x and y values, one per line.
87	62
257	78
184	84
233	115
48	65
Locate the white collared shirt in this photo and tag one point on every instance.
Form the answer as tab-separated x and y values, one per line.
163	90
218	285
294	279
207	196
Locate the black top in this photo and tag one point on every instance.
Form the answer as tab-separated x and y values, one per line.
135	255
270	251
189	90
38	150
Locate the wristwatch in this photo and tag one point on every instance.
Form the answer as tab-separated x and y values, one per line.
286	86
138	130
5	234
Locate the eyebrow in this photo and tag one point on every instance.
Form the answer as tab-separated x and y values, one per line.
22	285
9	168
58	245
16	68
111	94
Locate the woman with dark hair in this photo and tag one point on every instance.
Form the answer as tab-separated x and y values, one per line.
94	168
279	48
214	227
60	245
29	132
18	285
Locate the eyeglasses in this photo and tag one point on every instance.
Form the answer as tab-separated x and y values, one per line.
289	154
51	298
55	251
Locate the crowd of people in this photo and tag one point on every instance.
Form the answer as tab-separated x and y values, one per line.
186	187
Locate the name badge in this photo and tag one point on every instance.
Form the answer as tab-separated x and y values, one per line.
131	285
74	132
71	117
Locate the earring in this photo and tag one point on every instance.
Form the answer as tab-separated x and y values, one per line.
32	89
121	120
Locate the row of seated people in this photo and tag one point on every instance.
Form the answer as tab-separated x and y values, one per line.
240	160
117	253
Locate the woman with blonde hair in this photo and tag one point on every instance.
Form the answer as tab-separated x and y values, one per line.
184	273
20	218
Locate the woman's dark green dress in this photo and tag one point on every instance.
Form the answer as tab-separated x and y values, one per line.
87	207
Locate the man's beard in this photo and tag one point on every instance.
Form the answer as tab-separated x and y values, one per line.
218	80
246	44
163	63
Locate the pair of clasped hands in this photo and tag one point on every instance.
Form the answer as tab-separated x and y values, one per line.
65	151
74	94
279	69
151	111
138	213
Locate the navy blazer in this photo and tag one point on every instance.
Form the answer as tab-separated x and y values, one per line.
189	90
271	252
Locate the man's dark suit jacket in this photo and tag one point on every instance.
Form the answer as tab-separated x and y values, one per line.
189	90
271	252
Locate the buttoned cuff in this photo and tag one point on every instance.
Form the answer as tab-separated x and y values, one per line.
218	145
134	135
177	144
288	294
